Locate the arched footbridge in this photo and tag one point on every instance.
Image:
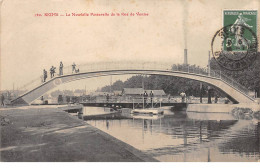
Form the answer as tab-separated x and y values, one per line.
234	91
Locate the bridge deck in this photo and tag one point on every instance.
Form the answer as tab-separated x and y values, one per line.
234	91
178	106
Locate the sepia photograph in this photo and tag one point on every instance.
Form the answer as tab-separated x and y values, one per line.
130	81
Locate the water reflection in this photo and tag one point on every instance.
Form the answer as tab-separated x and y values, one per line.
184	136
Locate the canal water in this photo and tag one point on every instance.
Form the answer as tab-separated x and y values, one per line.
182	137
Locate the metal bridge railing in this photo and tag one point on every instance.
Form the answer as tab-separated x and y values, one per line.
30	85
128	65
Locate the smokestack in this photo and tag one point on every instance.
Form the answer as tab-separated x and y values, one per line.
185	14
209	63
185	56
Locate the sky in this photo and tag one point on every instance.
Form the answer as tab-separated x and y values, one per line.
29	43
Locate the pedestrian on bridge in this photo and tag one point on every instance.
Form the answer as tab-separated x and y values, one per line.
107	96
77	70
52	71
145	97
73	67
183	96
151	95
61	69
44	75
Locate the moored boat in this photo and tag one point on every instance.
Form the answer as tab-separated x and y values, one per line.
146	116
153	111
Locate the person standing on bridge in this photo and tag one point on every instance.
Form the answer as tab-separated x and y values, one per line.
183	96
61	69
52	71
151	95
145	97
107	97
44	75
73	67
169	98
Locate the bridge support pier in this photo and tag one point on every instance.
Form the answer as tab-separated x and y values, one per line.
201	91
209	95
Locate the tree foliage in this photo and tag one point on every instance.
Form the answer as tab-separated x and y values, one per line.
171	85
248	77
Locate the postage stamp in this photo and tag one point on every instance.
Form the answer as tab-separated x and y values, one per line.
234	46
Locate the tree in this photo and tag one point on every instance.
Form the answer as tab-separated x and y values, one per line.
248	77
105	89
170	84
134	82
118	85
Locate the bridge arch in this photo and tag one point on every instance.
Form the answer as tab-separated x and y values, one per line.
236	92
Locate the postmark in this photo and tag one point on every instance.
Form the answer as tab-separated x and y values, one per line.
234	46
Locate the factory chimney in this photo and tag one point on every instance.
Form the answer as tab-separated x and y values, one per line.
185	56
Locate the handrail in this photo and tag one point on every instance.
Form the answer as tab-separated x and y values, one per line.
109	66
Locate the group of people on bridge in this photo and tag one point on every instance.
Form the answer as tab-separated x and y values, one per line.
146	96
52	71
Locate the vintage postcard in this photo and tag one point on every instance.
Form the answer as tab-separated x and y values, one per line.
130	81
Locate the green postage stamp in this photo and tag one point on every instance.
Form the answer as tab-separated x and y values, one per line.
234	46
240	22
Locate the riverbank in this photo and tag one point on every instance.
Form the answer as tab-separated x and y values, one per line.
47	134
220	108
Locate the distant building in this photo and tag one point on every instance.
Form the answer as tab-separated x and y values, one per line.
132	91
100	93
117	92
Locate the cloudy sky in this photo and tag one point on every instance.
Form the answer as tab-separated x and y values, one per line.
29	43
